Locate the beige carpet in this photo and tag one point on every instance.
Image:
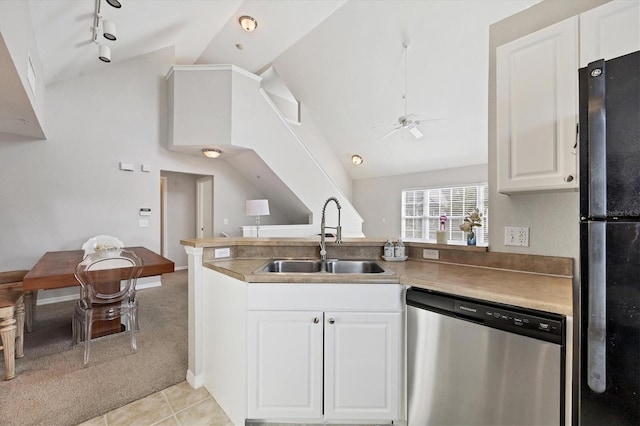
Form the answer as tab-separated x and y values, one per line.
53	388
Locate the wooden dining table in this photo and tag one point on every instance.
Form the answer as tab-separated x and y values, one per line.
56	268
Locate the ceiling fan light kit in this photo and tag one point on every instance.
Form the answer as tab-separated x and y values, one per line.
407	121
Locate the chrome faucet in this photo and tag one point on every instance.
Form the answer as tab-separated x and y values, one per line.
323	251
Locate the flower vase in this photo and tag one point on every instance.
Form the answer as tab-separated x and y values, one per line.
471	238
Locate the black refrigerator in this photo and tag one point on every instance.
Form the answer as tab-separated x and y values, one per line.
607	361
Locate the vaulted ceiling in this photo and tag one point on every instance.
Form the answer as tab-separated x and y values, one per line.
343	60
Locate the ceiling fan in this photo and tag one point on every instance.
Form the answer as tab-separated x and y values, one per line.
409	122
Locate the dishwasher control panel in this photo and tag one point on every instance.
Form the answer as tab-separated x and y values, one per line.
540	325
490	314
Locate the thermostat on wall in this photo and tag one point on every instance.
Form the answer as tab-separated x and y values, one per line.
145	212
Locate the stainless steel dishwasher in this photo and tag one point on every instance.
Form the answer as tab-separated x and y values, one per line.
471	362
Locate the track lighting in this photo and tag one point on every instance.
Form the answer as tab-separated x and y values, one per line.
114	3
211	152
109	30
104	53
248	23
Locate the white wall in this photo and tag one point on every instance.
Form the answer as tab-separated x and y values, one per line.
551	217
379	199
54	194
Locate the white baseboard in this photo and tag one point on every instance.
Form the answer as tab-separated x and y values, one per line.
57	299
143	283
180	268
195	381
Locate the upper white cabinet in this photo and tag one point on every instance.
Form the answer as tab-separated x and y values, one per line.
609	31
536	83
537	97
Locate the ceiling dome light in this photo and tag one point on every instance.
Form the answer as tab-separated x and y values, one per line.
248	23
356	159
109	30
211	153
114	3
104	53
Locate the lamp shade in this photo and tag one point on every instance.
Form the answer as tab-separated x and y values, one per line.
257	208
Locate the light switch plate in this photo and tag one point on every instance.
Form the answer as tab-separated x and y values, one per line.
143	223
222	252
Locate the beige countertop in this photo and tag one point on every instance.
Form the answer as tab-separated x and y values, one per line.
534	291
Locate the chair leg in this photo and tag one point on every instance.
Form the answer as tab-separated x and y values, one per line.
87	335
133	323
8	336
19	316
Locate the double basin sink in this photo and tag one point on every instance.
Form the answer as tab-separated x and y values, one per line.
332	266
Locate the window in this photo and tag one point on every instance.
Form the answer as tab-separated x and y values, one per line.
422	208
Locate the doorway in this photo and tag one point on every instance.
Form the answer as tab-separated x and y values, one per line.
204	207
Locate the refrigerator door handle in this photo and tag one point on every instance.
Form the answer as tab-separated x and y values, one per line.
596	324
597	129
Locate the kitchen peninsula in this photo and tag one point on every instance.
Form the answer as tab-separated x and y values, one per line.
234	307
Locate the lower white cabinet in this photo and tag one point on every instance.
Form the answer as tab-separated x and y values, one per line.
284	364
361	365
358	352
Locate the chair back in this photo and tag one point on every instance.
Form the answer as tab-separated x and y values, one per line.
108	276
101	242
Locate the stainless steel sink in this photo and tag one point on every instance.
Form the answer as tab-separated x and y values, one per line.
295	266
333	266
353	267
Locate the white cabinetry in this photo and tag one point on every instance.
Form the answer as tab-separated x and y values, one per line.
609	31
337	363
536	94
536	83
361	365
284	370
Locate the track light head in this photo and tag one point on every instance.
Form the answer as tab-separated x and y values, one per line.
109	30
104	53
114	3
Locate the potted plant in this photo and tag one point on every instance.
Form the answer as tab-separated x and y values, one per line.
471	220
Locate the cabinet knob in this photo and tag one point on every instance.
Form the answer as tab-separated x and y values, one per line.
316	320
331	320
568	178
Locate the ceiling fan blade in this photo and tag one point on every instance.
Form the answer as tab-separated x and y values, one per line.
391	132
415	132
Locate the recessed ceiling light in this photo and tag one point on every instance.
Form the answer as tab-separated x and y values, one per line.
356	159
248	23
211	153
114	3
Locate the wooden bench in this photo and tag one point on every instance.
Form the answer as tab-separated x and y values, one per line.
11	328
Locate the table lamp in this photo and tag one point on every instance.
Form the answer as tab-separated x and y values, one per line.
257	208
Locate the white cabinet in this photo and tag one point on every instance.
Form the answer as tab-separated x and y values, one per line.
609	31
536	89
284	370
361	365
537	99
339	363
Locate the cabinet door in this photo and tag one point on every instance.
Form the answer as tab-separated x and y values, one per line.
537	105
362	365
284	365
609	31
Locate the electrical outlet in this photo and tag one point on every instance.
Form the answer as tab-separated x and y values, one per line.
222	252
430	254
516	236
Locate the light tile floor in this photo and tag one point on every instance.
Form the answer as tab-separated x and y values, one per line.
179	405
